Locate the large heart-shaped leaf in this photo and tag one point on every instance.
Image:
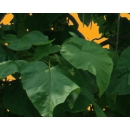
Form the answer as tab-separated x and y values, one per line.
10	67
32	38
89	56
45	86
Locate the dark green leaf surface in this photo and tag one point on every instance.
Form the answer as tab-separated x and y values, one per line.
99	112
15	99
6	54
42	51
10	67
32	38
123	63
121	86
89	56
9	37
84	100
46	87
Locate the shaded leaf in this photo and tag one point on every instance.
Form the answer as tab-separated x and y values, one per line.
90	81
99	112
123	63
6	54
15	99
10	67
81	103
84	100
9	37
5	27
42	51
120	84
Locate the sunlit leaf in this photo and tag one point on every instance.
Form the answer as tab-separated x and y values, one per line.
89	56
46	87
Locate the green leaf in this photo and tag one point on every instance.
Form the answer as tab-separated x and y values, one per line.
19	44
3	55
42	51
72	73
45	87
70	100
73	34
99	112
15	99
99	20
10	67
87	55
123	63
6	54
121	86
84	100
32	38
9	37
81	103
90	81
5	27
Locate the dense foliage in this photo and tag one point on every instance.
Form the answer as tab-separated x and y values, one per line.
59	73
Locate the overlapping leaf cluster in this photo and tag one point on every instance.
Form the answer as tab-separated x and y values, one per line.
59	73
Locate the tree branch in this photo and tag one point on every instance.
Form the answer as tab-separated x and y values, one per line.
114	39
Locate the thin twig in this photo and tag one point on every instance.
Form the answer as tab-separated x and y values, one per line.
83	19
117	38
91	21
